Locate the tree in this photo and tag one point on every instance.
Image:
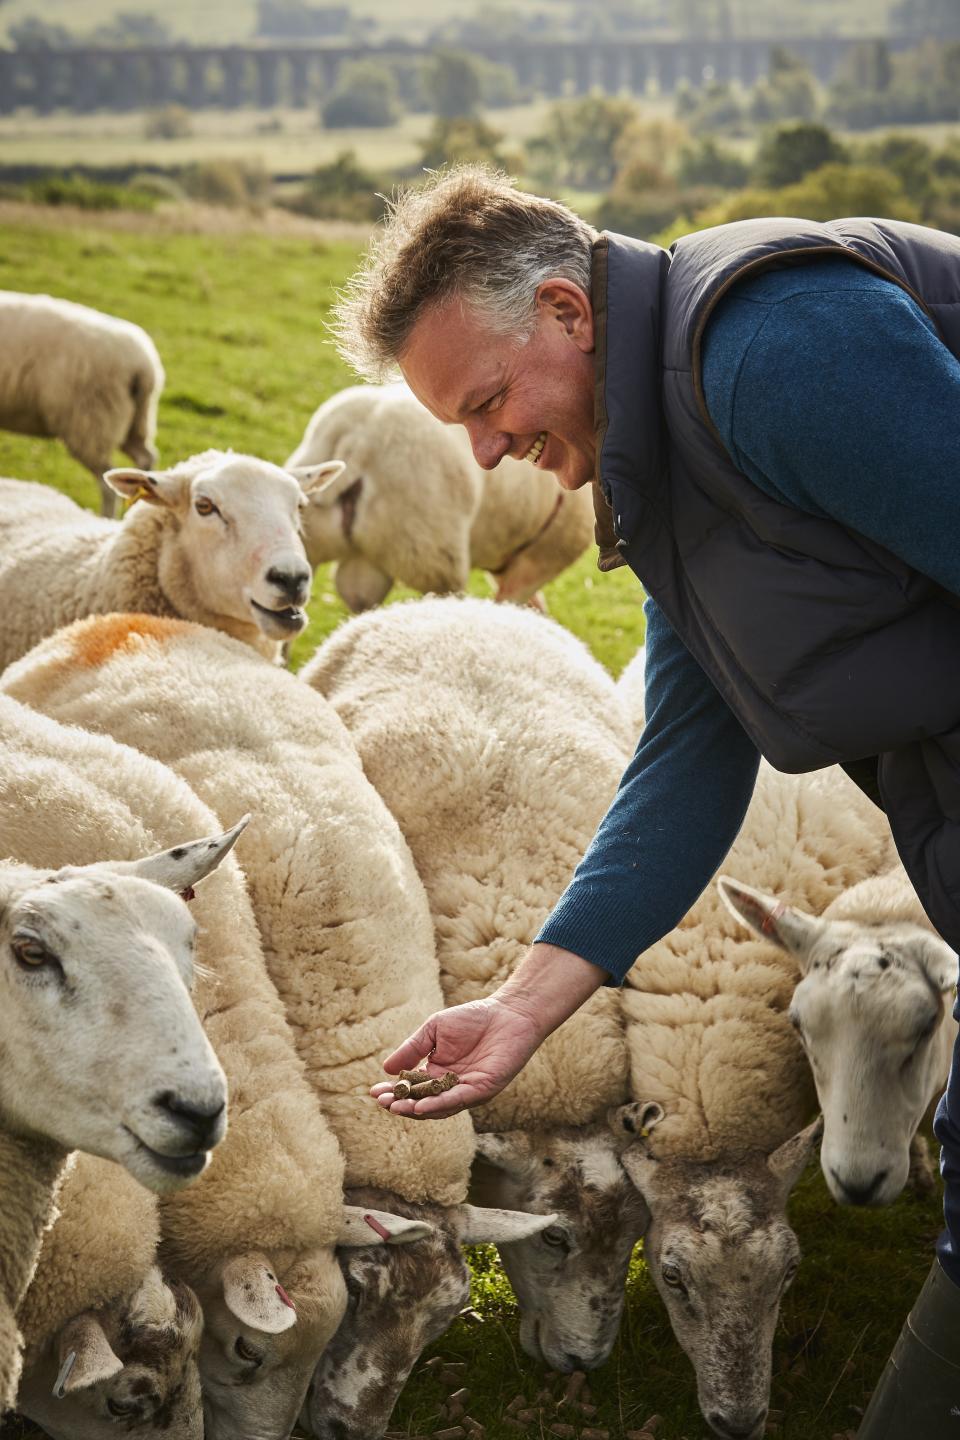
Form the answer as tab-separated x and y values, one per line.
134	29
577	147
910	159
791	151
452	83
927	17
366	95
453	141
36	34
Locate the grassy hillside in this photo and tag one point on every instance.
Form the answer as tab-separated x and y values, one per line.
239	321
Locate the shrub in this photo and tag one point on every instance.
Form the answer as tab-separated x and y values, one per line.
704	162
233	183
453	141
452	83
342	190
171	123
578	145
365	97
87	193
791	151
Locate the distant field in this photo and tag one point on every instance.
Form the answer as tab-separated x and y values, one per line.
238	318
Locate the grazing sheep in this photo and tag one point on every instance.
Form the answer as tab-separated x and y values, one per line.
873	1010
83	943
497	742
216	539
108	1342
271	1203
711	1044
344	919
74	374
413	505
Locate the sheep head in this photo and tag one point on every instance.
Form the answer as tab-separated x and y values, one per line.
872	1009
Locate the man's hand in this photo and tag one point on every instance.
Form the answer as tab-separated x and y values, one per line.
487	1042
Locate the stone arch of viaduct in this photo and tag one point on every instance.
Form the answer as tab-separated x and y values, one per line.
269	75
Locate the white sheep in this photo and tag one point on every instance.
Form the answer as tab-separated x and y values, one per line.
74	374
87	945
270	1209
498	741
873	1010
108	1341
345	925
631	687
711	1046
216	539
413	505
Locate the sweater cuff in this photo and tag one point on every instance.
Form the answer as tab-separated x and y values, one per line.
590	924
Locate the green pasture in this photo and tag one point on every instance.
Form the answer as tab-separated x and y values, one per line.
239	321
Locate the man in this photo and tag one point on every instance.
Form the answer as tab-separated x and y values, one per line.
770	413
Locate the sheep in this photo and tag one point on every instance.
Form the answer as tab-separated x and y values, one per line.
873	1012
632	691
413	505
82	941
271	1202
345	925
498	785
215	539
74	374
108	1341
710	1044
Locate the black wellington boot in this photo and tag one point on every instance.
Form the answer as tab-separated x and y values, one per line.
918	1397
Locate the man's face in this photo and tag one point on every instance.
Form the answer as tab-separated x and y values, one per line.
532	400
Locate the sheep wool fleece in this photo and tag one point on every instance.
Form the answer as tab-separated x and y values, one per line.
343	916
497	741
706	1007
274	1183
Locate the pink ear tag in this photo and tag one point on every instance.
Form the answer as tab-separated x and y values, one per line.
188	894
377	1227
286	1298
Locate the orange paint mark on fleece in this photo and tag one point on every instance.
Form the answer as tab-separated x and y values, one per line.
94	641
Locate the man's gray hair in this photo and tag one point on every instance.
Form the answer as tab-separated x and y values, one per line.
466	233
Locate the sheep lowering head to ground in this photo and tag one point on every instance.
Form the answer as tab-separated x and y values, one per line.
110	1344
216	539
873	1011
399	1301
710	1041
74	374
498	789
413	505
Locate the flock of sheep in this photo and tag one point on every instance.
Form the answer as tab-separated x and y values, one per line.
230	891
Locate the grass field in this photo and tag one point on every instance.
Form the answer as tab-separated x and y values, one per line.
238	319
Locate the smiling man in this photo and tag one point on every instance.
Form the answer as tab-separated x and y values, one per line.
770	415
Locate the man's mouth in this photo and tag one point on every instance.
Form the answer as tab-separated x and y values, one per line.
536	449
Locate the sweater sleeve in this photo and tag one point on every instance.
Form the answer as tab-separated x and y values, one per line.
833	392
676	813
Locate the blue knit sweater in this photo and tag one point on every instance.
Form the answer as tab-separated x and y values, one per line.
832	393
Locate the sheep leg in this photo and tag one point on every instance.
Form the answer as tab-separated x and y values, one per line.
519	582
921	1176
97	465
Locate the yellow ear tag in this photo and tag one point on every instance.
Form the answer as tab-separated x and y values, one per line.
143	493
644	1132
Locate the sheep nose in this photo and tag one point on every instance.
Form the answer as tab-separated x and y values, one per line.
863	1194
295	584
738	1429
202	1127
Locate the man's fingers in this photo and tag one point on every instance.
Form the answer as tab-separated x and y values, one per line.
437	1107
382	1087
408	1055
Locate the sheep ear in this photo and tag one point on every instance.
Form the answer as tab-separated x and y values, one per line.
636	1120
255	1296
508	1150
790	929
361	1226
642	1169
317	480
788	1161
186	865
85	1356
480	1225
157	487
939	962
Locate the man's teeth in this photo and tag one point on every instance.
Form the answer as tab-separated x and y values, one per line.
536	449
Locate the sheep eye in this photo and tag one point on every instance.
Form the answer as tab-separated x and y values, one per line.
671	1276
553	1235
203	506
31	953
247	1352
792	1269
121	1408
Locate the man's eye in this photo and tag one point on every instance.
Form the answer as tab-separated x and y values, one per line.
493	403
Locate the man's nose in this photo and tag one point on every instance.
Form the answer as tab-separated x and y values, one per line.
489	446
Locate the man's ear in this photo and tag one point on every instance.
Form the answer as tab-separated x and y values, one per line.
563	300
157	487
